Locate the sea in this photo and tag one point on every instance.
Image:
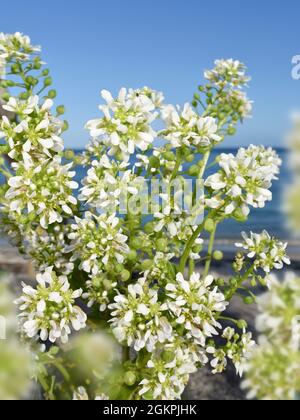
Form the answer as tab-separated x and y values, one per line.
271	218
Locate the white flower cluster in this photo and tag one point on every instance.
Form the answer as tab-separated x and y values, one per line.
244	180
42	191
48	312
239	102
138	317
167	378
187	128
273	370
273	373
34	134
97	241
228	72
16	46
47	248
266	252
127	123
195	305
280	308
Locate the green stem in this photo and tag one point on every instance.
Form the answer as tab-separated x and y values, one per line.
210	251
191	267
231	292
177	166
204	163
188	248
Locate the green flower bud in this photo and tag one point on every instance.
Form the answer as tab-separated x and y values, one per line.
5	96
197	249
161	245
154	162
241	324
195	104
30	80
136	243
168	356
48	81
96	282
69	154
37	65
240	216
146	265
130	378
231	131
65	126
46	72
107	284
149	228
52	94
249	300
60	110
197	96
15	68
218	255
190	158
119	268
24	95
220	282
209	225
132	255
125	275
169	156
233	282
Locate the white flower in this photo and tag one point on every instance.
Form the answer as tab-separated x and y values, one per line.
267	252
97	241
186	128
196	305
138	318
48	312
229	71
44	190
244	180
35	135
126	125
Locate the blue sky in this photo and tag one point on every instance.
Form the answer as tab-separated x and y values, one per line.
165	44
